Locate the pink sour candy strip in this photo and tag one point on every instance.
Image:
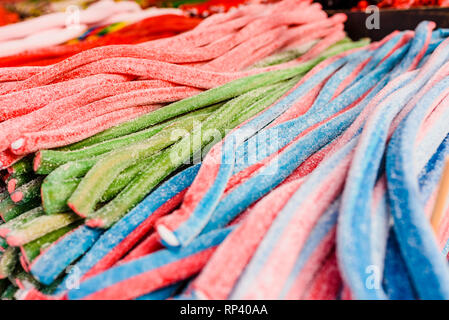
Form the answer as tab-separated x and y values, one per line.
236	57
292	240
244	49
34	121
19	103
94	54
19	73
7	86
152	69
327	283
206	53
324	44
442	73
147	246
31	142
7	158
271	48
72	119
234	253
310	269
125	100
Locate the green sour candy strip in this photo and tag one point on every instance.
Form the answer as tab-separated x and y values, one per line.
99	178
75	166
9	209
23	166
33	249
8	262
28	191
125	177
228	91
9	292
3	244
71	170
39	227
22	178
170	159
60	184
22	219
48	160
55	195
4	283
124	129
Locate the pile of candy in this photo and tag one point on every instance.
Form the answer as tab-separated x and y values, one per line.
206	8
59	27
101	88
156	27
326	184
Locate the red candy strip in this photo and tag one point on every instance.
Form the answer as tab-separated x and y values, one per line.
20	103
31	142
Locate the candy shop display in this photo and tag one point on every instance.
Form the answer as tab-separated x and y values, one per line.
157	155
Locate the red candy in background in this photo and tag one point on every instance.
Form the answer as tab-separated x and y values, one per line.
149	29
7	17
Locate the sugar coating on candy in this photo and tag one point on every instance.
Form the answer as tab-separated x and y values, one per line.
150	272
48	266
54	138
238	247
38	227
429	254
196	193
19	103
149	245
315	280
112	244
327	283
316	249
400	96
7	158
298	236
